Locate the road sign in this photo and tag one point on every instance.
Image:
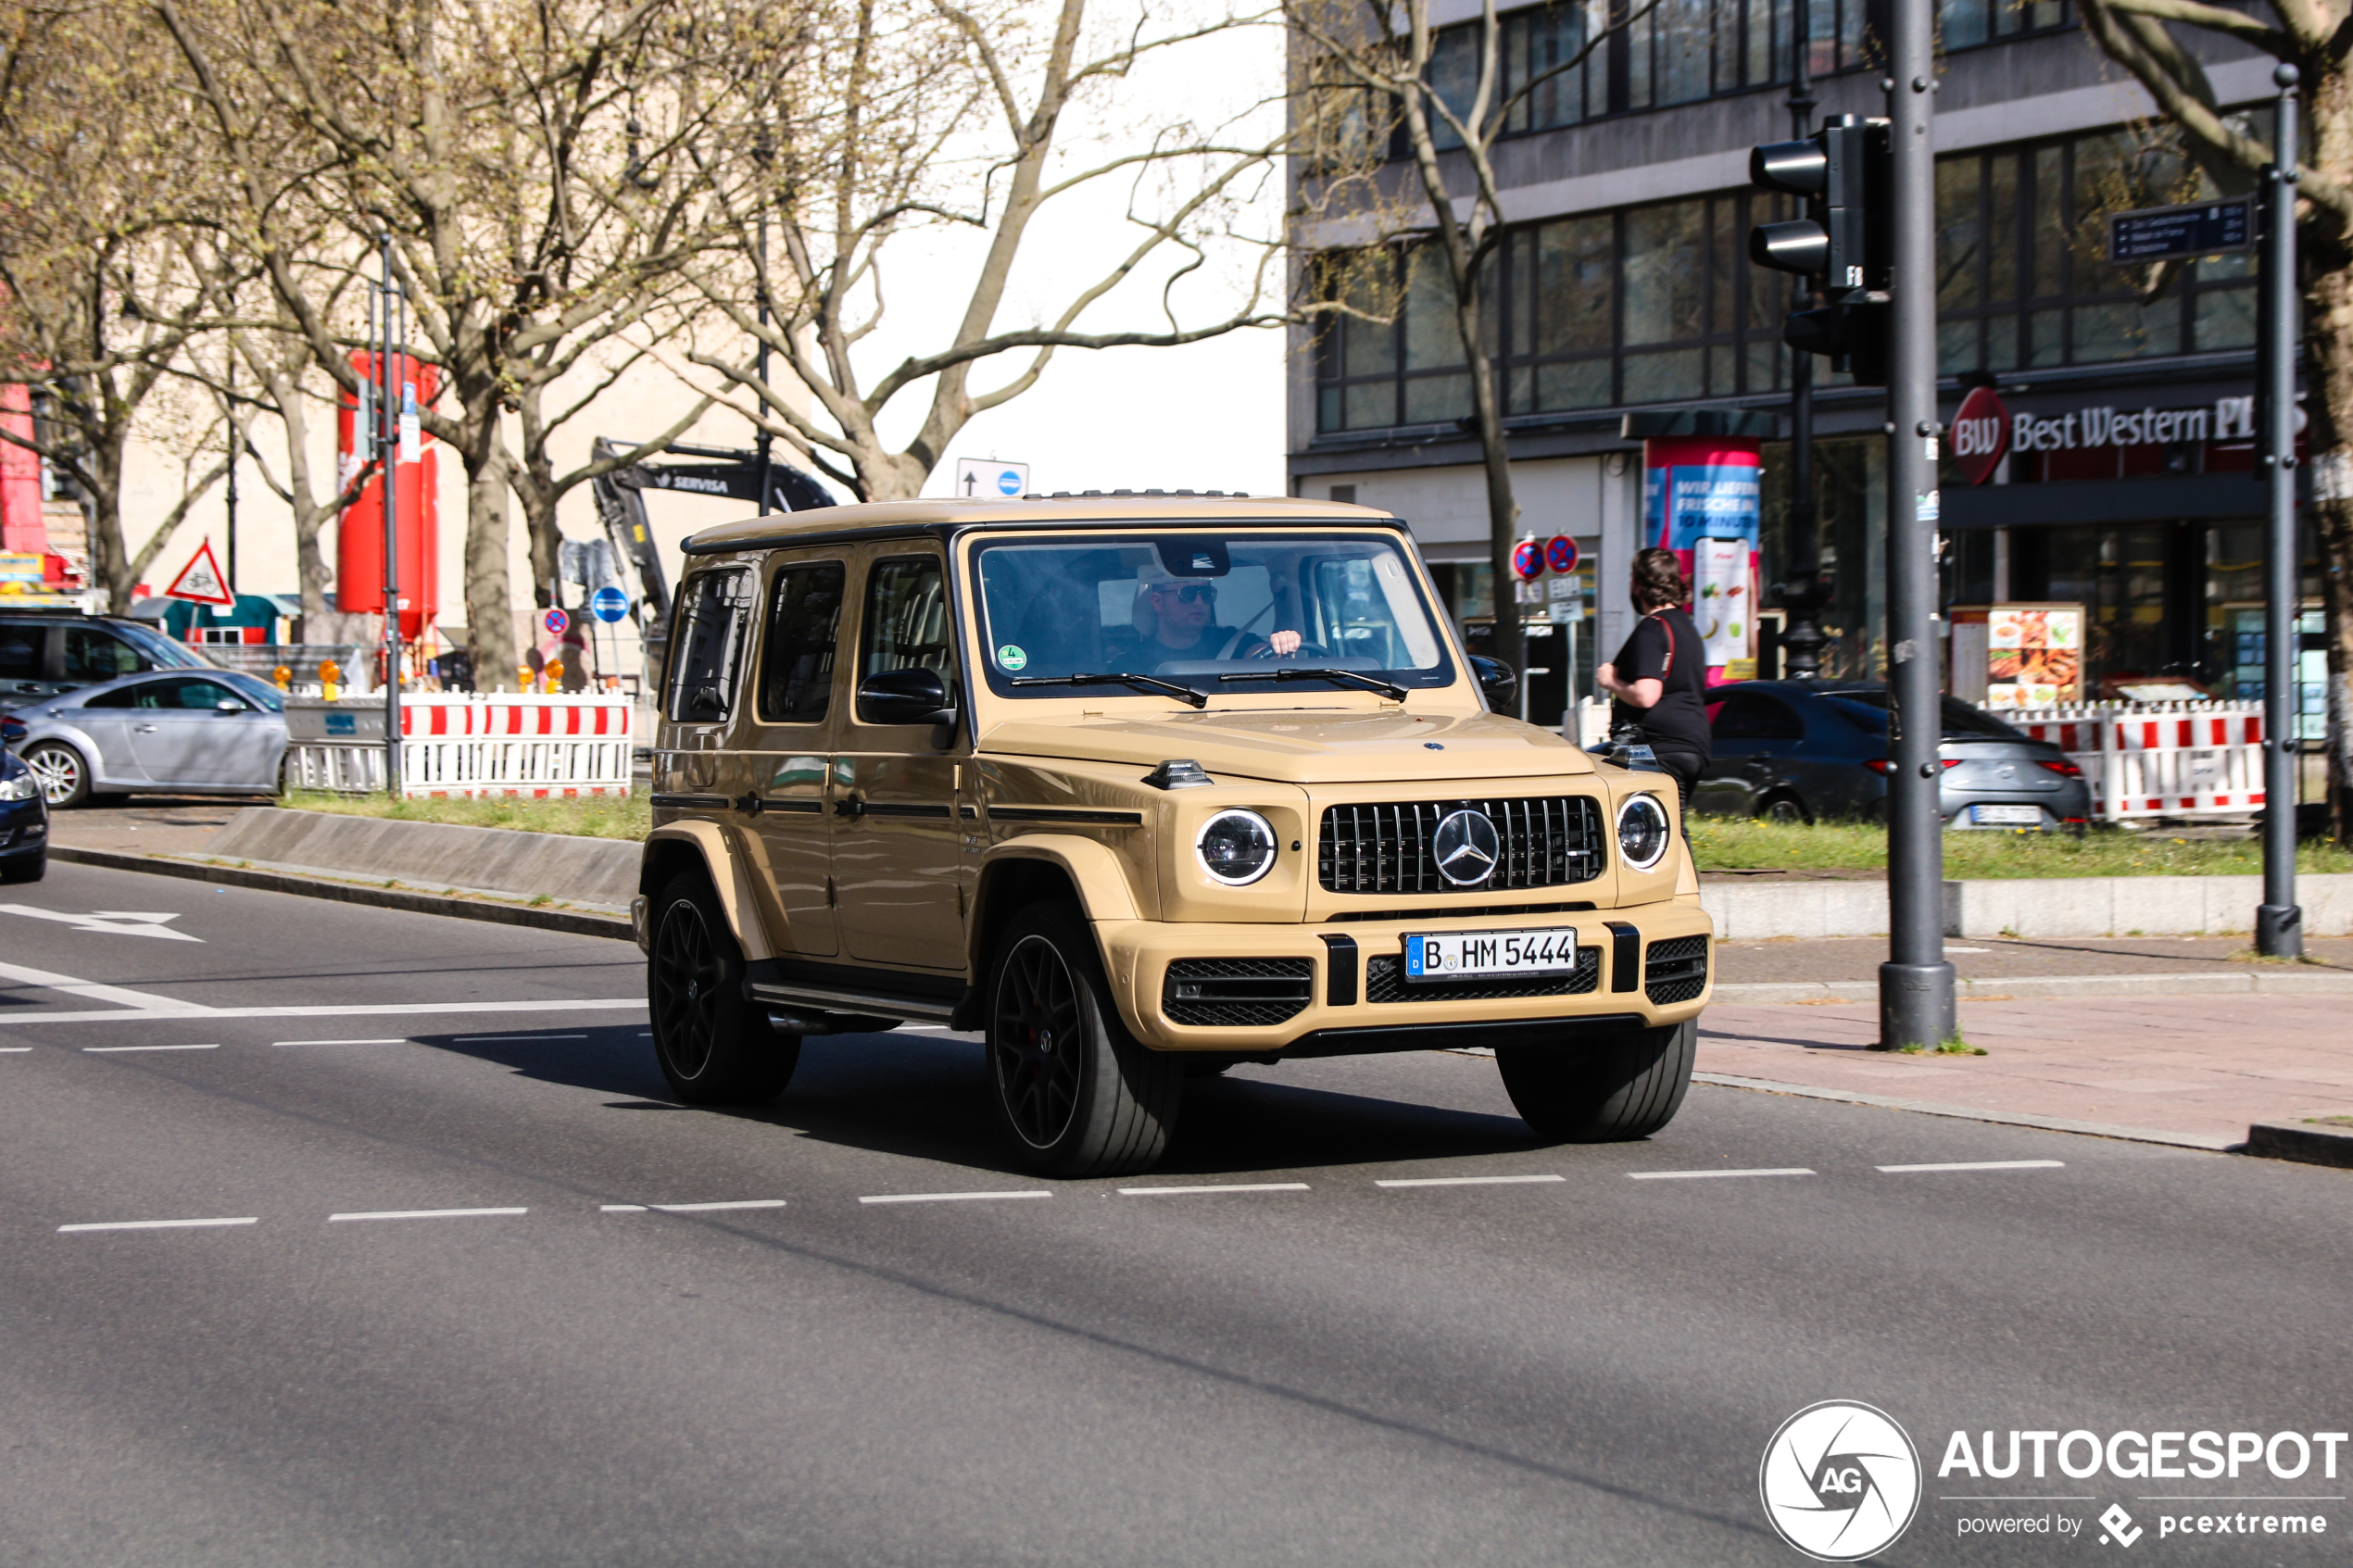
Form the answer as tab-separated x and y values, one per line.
2178	234
609	604
200	581
1528	558
1561	553
556	620
984	478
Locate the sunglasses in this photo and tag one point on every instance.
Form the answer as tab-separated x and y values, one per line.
1192	592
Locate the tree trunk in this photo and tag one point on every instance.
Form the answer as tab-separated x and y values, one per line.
1503	508
109	553
490	614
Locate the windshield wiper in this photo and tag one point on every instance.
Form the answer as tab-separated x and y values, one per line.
1119	678
1389	689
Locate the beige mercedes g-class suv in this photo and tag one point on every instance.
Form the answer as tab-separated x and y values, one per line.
1140	787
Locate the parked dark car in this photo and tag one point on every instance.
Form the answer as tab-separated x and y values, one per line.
24	823
44	653
1798	750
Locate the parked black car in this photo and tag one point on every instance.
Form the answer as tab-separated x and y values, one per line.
1797	751
24	823
45	652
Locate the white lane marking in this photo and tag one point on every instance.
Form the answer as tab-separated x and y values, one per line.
464	1039
161	1225
426	1214
1230	1187
14	1050
948	1197
623	1208
147	1001
143	922
1986	1165
1968	950
164	1007
1702	1175
401	1041
101	1051
1464	1180
711	1208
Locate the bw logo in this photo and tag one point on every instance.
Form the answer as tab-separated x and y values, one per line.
1840	1481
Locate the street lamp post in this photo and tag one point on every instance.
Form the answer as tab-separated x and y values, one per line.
1800	586
2279	924
391	369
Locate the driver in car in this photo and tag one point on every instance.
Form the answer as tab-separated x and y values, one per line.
1178	620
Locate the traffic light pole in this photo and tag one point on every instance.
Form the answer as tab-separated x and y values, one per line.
1801	583
391	376
1916	984
2279	924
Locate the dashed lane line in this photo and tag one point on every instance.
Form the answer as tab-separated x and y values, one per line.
427	1214
1224	1187
161	1225
14	1050
1703	1175
144	1012
1982	1166
103	1050
284	1044
952	1197
692	1207
1465	1181
484	1039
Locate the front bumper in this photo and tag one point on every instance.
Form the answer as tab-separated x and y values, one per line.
1355	999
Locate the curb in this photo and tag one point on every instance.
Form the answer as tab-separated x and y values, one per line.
2302	1142
2287	981
1970	1113
406	900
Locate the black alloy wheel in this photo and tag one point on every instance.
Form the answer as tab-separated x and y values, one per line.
1038	1045
712	1044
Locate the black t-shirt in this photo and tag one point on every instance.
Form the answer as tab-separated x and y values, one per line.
1139	653
1665	647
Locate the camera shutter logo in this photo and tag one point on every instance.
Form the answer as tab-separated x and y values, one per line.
1466	847
1840	1481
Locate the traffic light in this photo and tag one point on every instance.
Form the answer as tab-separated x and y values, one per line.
1844	243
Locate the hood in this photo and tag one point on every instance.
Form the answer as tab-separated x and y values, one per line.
1290	746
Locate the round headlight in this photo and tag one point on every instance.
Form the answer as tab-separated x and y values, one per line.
1235	847
1641	832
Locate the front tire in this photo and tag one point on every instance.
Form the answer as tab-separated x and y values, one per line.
63	775
25	868
1786	809
712	1044
1601	1088
1072	1089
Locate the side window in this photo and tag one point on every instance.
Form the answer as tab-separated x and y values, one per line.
20	651
906	626
205	695
706	651
1754	716
92	655
796	664
128	696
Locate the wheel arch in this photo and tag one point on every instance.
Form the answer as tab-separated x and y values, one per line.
1040	866
694	846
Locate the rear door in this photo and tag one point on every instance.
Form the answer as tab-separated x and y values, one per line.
898	860
1753	734
796	715
24	646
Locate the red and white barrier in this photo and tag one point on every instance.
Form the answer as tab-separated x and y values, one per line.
503	744
2159	759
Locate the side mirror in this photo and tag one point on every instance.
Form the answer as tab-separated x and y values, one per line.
1498	681
227	705
906	696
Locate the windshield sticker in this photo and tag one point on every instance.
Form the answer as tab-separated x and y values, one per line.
1010	657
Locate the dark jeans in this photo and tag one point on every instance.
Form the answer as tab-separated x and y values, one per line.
1683	766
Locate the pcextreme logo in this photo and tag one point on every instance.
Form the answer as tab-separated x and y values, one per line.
1840	1481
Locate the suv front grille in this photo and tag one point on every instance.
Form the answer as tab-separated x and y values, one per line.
1236	993
1544	843
1676	970
1384	982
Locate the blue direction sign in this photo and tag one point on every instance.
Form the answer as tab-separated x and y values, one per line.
2178	234
609	604
556	620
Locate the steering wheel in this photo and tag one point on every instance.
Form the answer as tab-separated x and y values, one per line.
1305	650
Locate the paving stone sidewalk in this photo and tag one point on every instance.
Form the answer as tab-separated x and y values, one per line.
2197	1069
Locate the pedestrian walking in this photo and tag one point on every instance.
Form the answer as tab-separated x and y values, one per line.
1658	682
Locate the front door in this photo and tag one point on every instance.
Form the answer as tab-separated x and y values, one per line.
899	856
795	717
190	730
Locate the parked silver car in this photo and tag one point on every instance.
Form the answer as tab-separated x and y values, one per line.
217	733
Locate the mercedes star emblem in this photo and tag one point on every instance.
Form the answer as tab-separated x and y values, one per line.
1466	847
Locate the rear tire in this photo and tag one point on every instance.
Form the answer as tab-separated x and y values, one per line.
1787	810
64	776
1076	1093
712	1044
1601	1088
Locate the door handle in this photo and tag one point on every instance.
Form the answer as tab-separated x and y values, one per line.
749	803
849	806
145	729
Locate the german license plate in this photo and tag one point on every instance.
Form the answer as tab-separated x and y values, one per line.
2007	816
1468	955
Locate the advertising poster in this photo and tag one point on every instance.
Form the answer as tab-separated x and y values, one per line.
2034	655
1721	601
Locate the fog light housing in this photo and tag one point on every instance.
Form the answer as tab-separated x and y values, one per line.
1643	833
1235	847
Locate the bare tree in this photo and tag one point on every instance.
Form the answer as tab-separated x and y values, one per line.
1377	67
2149	38
923	123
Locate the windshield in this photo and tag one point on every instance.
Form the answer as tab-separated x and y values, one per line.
1207	609
257	688
1866	710
164	652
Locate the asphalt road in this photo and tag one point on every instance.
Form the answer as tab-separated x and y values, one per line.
1583	1366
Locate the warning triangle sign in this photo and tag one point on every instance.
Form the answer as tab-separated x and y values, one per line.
200	580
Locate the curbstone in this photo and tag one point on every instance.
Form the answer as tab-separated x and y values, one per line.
2033	907
2303	1142
501	861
